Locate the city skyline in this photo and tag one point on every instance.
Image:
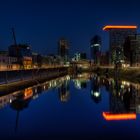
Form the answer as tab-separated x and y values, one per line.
42	23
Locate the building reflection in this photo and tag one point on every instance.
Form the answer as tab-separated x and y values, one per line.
80	84
21	102
122	100
95	89
124	97
22	96
64	91
20	99
80	80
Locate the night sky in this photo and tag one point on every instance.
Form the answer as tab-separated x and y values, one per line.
41	23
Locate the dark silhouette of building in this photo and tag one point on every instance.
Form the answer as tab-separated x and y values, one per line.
132	50
63	48
83	56
95	46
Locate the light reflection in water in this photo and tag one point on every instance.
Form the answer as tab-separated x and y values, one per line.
123	95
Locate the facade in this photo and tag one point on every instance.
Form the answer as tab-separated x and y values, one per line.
34	60
23	53
37	60
63	49
117	35
95	46
132	50
51	60
104	59
8	63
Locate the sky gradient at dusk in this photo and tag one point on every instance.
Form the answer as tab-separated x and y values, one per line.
41	23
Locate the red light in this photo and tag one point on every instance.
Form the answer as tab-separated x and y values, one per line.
109	116
118	27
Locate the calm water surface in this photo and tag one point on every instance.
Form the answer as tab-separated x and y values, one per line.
83	107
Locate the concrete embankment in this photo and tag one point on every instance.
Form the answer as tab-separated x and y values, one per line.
11	80
130	74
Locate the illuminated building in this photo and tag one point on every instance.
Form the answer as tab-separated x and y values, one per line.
23	53
79	56
117	35
132	50
7	62
95	46
63	48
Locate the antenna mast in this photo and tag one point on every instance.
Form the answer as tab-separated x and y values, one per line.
14	37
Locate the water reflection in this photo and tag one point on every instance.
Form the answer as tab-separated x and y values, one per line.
80	80
122	100
124	97
64	91
95	89
19	98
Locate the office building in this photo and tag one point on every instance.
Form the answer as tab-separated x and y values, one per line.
95	47
132	50
63	49
117	35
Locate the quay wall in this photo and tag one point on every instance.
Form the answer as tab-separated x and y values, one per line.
22	78
129	74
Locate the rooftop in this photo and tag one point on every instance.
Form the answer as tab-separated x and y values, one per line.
108	27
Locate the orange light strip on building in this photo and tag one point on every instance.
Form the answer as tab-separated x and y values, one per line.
118	27
110	117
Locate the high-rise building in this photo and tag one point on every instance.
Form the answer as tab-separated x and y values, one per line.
117	35
132	50
63	48
95	46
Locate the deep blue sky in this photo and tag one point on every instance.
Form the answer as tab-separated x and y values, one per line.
42	22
